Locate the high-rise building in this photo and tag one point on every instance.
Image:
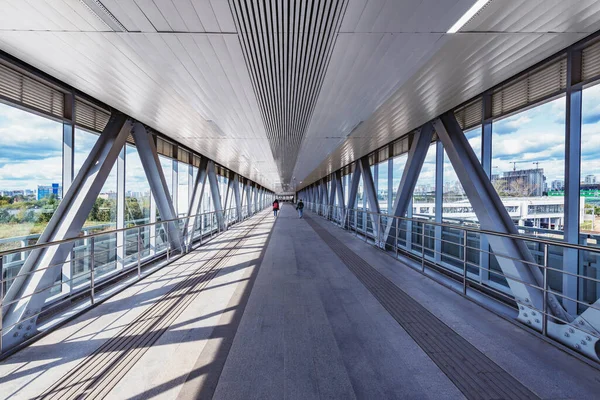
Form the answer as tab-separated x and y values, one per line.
590	179
521	182
47	191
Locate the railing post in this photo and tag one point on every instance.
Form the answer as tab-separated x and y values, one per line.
545	289
139	248
92	267
396	242
423	246
168	244
378	235
464	262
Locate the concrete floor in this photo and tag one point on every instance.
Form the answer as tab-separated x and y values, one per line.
291	321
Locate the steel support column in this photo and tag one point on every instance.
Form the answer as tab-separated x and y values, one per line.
439	200
194	209
248	187
492	215
236	194
414	162
158	182
371	195
573	177
340	194
215	193
31	289
121	163
331	201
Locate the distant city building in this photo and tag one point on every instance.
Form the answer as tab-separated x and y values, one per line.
557	184
108	195
521	182
589	179
47	191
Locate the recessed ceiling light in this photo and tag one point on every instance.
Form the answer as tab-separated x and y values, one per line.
468	15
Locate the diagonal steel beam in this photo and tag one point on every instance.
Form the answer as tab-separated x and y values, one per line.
414	162
371	193
331	202
340	194
31	289
197	194
492	215
214	192
158	183
236	195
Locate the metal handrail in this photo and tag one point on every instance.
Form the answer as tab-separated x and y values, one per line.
91	276
519	236
373	224
63	241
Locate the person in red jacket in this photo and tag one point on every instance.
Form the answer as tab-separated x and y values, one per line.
275	207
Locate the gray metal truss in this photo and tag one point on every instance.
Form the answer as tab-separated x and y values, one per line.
371	194
215	194
331	202
228	199
237	197
492	215
158	183
414	162
31	289
248	190
340	194
195	203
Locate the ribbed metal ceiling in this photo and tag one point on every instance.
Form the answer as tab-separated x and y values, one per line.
287	45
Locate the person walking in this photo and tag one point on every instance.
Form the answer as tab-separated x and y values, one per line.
275	207
300	207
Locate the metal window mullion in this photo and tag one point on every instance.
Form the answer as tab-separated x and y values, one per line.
572	180
175	185
68	155
121	174
439	199
486	163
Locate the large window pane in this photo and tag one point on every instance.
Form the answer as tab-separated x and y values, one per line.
382	186
30	180
30	174
590	164
102	217
528	155
137	206
183	189
424	204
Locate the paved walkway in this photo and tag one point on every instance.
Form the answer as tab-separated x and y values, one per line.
294	309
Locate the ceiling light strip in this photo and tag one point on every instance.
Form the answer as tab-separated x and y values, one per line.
479	4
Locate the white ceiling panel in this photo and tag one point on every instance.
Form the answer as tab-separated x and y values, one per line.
172	82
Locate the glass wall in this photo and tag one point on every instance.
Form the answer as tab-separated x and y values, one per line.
183	193
590	165
423	204
137	207
528	167
382	186
102	217
30	180
30	174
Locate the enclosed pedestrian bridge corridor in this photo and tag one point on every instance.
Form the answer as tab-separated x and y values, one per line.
342	199
292	308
